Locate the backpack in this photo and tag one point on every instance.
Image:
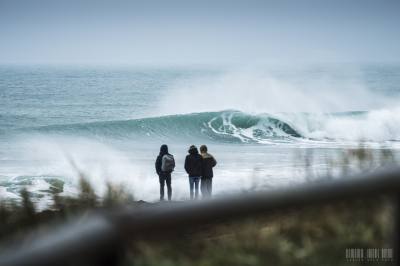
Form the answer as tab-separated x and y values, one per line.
167	163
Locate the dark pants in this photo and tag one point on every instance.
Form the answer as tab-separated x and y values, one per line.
165	178
206	187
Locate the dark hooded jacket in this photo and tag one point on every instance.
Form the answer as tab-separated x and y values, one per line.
208	163
193	163
163	151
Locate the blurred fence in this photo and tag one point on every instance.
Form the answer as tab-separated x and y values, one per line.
100	237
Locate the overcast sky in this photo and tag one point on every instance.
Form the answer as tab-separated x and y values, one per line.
199	32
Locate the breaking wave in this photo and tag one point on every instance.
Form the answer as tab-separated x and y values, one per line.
237	126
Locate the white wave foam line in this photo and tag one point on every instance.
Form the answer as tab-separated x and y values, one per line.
227	128
377	125
4	194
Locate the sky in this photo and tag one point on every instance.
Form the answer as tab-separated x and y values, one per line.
171	32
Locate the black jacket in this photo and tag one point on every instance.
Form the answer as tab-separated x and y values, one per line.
194	163
163	151
207	167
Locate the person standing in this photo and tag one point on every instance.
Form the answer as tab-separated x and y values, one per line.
193	166
209	163
165	164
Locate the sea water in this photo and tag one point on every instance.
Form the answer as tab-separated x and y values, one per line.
262	124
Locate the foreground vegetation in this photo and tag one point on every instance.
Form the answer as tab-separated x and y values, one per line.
311	236
316	235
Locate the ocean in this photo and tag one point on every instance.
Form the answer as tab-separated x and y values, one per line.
267	127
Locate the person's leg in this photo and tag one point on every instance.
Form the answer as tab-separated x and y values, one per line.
196	184
191	184
169	187
210	187
162	183
203	187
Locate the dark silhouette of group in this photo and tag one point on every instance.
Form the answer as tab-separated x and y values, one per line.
198	166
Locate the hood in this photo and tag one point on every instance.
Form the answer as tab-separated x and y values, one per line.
163	149
193	150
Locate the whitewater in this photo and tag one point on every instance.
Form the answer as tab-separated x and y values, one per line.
260	124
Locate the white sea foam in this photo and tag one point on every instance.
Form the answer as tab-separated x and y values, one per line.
263	92
376	125
321	97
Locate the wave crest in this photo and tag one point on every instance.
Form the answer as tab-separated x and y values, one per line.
227	126
237	126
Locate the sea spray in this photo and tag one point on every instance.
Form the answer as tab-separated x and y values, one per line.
258	91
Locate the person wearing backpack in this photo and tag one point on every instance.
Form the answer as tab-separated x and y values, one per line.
207	172
193	166
165	164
